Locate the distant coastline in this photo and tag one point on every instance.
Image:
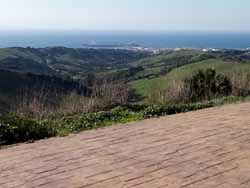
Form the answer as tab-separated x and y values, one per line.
155	40
132	45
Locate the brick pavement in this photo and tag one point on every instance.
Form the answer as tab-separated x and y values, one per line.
203	149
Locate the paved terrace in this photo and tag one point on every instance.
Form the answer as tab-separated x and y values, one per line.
204	149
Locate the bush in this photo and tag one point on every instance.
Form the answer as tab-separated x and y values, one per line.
88	121
157	110
153	111
207	84
15	129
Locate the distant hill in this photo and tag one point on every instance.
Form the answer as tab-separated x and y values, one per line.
64	68
56	69
10	82
65	61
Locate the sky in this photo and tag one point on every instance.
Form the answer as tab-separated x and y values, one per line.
125	15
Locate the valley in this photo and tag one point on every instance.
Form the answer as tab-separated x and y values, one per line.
144	72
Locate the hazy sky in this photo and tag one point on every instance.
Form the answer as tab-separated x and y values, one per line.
125	15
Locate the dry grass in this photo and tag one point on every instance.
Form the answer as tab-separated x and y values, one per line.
241	84
111	94
177	91
35	102
40	103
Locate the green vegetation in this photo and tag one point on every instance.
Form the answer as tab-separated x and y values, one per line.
14	129
146	86
70	90
155	66
59	70
63	61
207	84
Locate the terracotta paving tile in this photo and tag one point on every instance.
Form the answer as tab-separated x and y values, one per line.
204	149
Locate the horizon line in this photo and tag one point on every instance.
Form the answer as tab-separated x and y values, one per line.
123	31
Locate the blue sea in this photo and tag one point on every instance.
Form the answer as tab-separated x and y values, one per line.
147	39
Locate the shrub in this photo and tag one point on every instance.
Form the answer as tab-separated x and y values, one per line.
118	113
153	111
160	110
87	121
206	84
14	129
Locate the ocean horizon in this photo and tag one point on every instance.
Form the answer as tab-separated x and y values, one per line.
36	39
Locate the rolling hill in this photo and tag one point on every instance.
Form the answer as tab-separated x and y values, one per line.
145	86
142	70
65	61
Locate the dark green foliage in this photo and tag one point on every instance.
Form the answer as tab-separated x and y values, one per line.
15	129
207	84
82	122
95	120
160	110
13	82
21	64
133	70
236	55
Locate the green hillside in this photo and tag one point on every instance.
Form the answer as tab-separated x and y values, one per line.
145	71
66	61
155	66
145	86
